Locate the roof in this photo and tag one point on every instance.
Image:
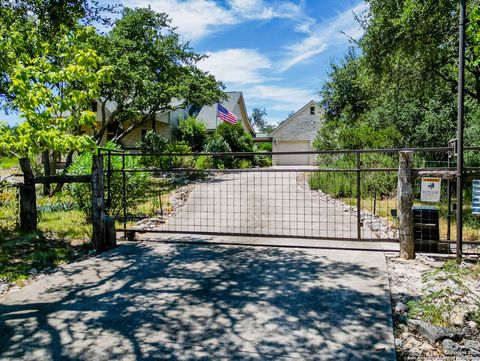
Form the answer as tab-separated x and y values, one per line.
208	113
284	123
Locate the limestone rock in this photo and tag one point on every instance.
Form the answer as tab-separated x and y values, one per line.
434	333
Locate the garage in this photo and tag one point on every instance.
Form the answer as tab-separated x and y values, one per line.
293	146
297	134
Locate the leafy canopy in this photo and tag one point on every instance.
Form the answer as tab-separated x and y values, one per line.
154	71
52	89
192	132
236	137
401	89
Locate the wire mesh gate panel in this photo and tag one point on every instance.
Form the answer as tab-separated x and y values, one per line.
347	195
308	201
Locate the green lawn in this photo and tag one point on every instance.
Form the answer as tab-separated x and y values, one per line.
63	236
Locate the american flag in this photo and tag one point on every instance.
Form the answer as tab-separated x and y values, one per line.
226	115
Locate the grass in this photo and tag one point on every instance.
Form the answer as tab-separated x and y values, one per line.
342	186
63	236
440	285
23	254
8	162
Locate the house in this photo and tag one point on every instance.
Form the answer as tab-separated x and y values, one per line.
165	123
296	134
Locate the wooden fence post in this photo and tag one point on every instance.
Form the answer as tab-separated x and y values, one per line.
98	204
405	204
28	199
104	235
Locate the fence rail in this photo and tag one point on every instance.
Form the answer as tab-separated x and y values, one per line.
347	195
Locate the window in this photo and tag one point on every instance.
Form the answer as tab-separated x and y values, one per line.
94	106
312	110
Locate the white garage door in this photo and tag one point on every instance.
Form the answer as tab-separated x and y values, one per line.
294	146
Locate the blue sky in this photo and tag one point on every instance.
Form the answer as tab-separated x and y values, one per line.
276	52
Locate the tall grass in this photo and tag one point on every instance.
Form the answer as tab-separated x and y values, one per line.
344	184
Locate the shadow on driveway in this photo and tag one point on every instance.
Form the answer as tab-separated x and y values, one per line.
176	301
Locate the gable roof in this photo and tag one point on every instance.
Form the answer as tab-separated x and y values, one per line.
289	119
208	113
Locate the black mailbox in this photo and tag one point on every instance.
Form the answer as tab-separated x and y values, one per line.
426	229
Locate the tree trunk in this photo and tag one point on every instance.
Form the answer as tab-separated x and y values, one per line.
98	205
46	171
405	204
28	201
68	162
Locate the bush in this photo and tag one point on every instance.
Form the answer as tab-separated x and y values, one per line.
263	160
219	145
192	132
177	161
135	183
241	163
236	137
152	143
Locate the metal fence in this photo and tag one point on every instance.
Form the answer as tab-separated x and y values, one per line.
346	195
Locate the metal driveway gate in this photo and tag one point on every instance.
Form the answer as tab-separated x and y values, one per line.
348	195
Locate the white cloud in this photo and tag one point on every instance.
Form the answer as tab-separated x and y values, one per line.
197	18
325	35
279	98
236	66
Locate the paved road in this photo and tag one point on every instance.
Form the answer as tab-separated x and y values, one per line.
263	203
189	302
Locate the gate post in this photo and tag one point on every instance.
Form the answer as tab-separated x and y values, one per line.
98	205
405	204
28	198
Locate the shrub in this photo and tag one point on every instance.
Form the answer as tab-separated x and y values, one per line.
192	132
263	160
203	162
135	183
235	136
177	161
241	163
219	145
152	143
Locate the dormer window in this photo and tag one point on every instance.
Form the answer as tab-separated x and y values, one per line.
312	110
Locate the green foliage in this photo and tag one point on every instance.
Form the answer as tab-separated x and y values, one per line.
60	78
9	209
404	79
21	254
440	284
152	143
193	132
218	145
135	183
177	161
344	185
153	69
236	137
241	163
8	162
262	160
258	121
338	135
429	309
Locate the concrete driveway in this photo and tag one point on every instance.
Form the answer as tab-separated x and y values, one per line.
271	202
188	302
